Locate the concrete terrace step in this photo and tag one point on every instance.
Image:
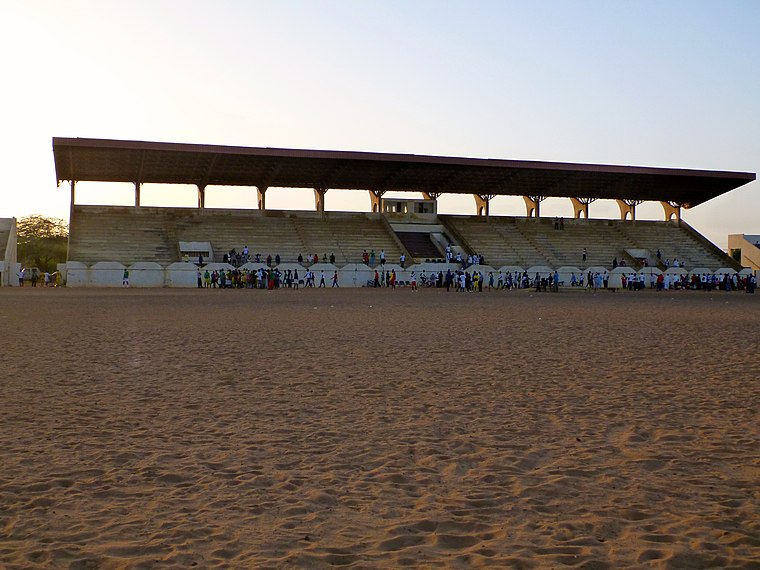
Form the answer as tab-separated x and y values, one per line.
128	234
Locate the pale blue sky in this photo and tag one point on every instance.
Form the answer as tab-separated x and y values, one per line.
649	83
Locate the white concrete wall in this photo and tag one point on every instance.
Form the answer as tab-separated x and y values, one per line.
146	274
77	274
181	274
106	274
354	275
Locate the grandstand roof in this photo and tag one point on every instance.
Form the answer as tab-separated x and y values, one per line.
173	163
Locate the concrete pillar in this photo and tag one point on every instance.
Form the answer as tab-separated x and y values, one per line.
533	206
482	204
138	185
319	198
261	193
375	198
71	217
672	210
201	195
580	206
627	208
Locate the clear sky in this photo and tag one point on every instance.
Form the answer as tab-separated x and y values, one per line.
651	83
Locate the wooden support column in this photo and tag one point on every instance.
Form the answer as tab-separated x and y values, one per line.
628	208
672	209
533	205
375	197
137	193
261	193
580	206
201	196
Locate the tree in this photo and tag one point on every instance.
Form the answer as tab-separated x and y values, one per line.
42	241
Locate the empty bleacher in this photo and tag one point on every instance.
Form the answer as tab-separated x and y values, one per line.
346	234
129	234
675	242
534	241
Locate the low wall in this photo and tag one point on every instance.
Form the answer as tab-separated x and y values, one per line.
185	274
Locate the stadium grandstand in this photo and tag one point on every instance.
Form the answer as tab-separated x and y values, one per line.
163	238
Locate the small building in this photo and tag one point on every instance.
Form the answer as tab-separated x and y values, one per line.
745	248
409	207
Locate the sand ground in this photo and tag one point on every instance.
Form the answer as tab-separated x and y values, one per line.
243	429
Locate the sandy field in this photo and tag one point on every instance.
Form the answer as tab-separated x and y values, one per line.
362	428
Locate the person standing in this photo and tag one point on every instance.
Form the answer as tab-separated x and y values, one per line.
413	279
335	280
125	278
199	276
584	254
382	257
322	279
20	275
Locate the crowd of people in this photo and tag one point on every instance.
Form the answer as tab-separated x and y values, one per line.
261	278
466	279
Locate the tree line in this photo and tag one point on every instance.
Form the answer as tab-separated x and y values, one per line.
42	242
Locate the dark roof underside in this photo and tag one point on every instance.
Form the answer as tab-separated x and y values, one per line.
170	163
